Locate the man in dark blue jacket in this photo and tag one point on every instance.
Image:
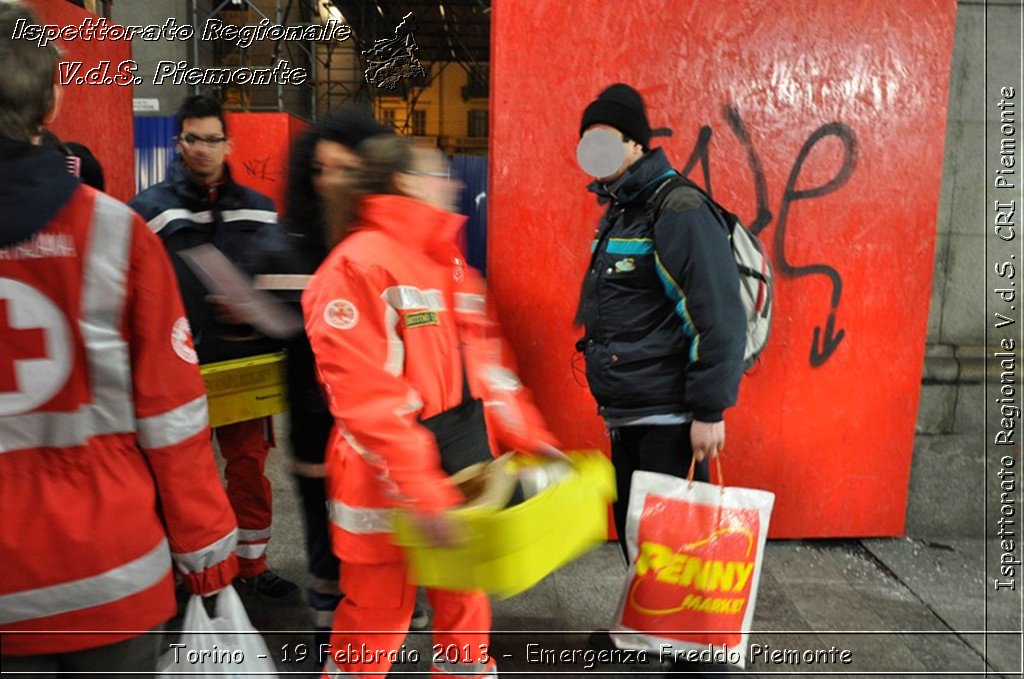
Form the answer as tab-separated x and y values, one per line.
200	203
665	326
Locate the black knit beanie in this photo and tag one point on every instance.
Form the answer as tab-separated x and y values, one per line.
622	107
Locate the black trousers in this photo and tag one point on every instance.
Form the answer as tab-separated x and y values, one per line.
653	448
310	431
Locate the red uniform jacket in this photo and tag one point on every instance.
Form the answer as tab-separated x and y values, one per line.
107	475
385	314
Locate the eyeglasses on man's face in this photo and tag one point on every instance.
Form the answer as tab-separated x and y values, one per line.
191	140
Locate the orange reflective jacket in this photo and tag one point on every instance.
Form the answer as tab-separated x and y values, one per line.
385	314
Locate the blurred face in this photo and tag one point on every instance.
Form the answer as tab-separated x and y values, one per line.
332	165
203	147
603	153
430	180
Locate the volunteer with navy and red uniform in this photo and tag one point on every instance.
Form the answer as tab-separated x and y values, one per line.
398	323
664	322
201	203
107	476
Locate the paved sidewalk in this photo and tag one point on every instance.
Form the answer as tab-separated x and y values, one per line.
899	606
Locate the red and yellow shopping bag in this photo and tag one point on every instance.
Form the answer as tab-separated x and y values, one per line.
695	550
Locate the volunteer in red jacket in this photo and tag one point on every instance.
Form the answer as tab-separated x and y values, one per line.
398	325
107	477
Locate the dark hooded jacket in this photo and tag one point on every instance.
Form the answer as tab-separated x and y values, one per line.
34	187
665	326
186	213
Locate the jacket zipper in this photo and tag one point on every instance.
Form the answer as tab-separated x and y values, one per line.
594	272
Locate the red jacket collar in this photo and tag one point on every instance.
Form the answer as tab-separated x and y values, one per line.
417	224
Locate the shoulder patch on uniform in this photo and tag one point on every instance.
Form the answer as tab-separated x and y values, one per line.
341	314
181	341
683	198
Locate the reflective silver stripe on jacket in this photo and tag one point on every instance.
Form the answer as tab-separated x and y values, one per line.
211	555
116	584
168	216
250	215
103	297
251	550
468	303
174	426
359	520
104	284
502	379
45	430
394	364
405	297
254	535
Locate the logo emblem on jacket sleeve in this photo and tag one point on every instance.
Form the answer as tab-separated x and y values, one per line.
341	314
181	341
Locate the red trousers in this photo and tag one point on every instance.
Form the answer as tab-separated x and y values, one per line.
379	597
245	447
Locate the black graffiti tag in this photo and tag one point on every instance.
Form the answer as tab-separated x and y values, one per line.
827	340
260	168
824	343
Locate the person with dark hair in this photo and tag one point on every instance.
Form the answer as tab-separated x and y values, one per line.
201	203
108	484
89	169
79	160
417	377
321	166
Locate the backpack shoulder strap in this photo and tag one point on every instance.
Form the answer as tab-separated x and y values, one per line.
656	201
672	186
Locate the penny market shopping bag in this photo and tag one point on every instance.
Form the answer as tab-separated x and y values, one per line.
226	646
695	551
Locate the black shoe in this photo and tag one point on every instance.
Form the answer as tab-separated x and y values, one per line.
270	587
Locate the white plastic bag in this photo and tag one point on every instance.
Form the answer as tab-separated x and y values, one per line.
695	553
225	646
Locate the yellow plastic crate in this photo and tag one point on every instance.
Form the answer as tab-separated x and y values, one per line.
508	551
245	388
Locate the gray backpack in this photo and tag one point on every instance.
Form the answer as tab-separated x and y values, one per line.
756	280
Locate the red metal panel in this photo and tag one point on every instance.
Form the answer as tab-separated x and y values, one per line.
99	116
822	123
259	158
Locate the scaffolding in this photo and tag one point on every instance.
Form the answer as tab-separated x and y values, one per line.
447	33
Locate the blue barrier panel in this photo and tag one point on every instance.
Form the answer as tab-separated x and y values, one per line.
154	149
472	171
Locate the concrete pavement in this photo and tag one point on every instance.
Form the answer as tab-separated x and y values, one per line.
900	607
